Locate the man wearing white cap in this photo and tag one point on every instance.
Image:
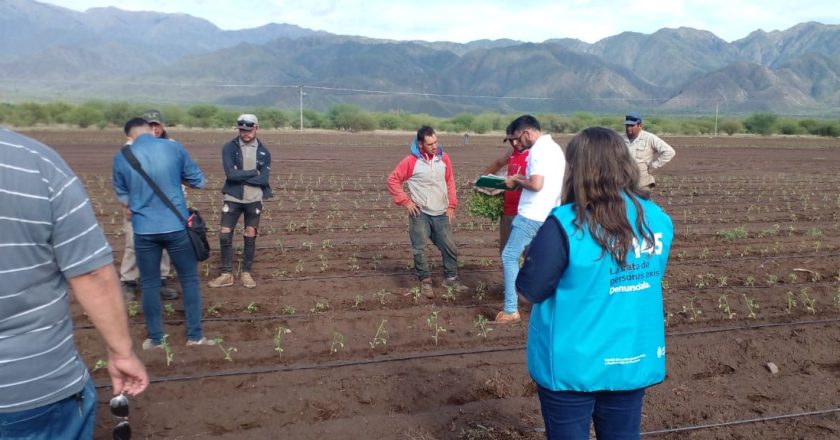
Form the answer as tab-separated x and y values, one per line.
648	149
247	164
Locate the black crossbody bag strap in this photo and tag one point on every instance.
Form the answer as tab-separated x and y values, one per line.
132	160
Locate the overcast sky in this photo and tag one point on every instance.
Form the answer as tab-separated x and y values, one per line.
468	20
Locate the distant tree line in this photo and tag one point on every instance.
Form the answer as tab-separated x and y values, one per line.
348	117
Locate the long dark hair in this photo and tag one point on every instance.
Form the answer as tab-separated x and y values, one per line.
600	171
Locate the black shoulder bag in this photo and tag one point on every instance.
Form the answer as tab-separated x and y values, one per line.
196	228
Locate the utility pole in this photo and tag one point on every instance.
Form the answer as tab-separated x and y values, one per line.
717	106
301	109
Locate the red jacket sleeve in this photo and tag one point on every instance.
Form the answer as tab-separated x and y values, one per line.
451	191
401	173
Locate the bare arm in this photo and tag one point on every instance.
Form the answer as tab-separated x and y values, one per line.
534	183
98	292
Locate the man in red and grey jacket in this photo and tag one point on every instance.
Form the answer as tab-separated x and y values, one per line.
430	201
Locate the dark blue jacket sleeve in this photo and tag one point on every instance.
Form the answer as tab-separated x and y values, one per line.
545	262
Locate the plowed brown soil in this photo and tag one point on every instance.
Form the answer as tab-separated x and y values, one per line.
754	278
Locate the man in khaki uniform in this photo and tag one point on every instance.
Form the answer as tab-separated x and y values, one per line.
649	150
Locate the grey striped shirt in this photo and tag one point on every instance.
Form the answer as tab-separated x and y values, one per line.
48	233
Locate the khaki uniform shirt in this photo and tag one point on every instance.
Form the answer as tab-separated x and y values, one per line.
650	153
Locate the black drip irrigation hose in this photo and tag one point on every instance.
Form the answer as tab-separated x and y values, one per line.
326	366
742	422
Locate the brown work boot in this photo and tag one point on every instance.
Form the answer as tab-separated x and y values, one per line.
222	280
247	280
426	288
507	318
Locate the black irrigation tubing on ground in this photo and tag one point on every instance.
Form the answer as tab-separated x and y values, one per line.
381	360
742	422
753	327
328	365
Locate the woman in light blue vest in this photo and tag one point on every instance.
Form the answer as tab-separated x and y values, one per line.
596	337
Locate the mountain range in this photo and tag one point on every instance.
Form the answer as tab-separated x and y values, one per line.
54	53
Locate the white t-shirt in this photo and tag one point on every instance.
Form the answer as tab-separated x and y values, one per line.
545	159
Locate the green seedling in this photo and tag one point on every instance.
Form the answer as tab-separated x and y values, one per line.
837	298
167	349
299	266
481	324
169	309
480	290
791	302
449	294
749	281
382	295
415	294
227	351
693	313
752	306
358	300
251	308
278	338
213	310
808	301
723	304
289	309
133	309
100	364
337	342
433	323
353	263
381	336
320	306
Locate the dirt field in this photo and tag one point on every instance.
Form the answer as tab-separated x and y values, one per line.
754	278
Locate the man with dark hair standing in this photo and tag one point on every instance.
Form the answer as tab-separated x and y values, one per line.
247	164
430	201
541	186
156	227
54	246
649	151
128	266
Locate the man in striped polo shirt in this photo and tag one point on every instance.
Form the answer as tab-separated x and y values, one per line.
47	223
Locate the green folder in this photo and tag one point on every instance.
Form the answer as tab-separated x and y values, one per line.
491	181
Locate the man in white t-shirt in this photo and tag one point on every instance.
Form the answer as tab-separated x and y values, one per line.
541	186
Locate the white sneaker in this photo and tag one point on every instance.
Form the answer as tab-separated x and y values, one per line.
148	344
202	341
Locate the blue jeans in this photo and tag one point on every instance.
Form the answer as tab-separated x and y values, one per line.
148	248
70	418
522	232
421	229
617	414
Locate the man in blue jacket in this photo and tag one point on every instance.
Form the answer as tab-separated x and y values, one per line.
247	164
156	227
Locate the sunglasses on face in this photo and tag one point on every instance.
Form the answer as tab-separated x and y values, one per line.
119	409
245	124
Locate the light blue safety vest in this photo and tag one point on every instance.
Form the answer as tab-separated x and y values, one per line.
603	328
